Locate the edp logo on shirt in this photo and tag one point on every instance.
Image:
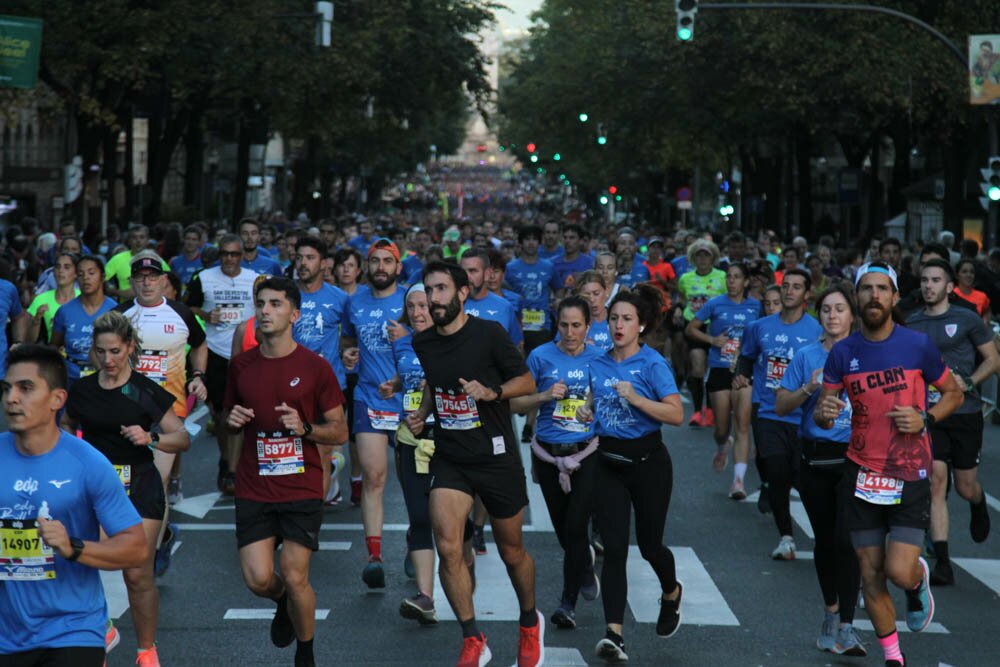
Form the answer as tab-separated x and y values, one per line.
28	486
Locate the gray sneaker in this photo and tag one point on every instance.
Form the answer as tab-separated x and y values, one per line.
174	493
419	608
848	643
828	633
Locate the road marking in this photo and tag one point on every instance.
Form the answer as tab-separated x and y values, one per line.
173	549
703	603
353	527
334	546
992	502
752	498
263	614
563	657
115	593
932	629
197	506
538	511
494	598
802	518
984	569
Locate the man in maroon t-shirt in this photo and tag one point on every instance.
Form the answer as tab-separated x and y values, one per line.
276	393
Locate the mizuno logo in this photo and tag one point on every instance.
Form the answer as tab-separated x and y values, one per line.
59	485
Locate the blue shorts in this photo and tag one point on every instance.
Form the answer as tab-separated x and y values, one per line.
363	424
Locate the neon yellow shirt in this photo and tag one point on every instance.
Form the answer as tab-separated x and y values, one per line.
47	299
697	289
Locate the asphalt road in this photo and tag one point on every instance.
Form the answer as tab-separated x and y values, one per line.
740	607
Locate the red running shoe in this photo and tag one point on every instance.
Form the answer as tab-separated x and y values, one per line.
531	645
695	419
707	417
475	652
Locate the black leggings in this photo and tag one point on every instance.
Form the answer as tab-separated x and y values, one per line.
570	513
416	494
836	563
69	656
644	487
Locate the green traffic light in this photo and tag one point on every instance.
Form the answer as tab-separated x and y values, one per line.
557	157
684	34
618	197
534	158
584	117
502	149
602	140
994	193
604	200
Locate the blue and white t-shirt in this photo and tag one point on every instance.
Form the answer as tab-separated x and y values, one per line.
497	309
77	326
638	274
564	269
368	320
600	335
650	375
804	364
263	264
318	326
533	282
730	319
773	344
76	485
557	421
186	268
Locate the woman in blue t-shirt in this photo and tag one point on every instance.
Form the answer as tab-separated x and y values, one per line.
592	286
823	453
633	394
562	451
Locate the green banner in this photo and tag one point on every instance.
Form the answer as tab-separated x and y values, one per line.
20	48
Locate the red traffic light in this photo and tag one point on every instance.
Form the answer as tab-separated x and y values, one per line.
481	148
613	189
531	148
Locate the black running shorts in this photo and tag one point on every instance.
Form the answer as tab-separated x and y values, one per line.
958	440
146	492
869	523
216	371
498	481
298	521
719	379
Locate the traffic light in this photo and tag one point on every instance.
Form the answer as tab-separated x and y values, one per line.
534	158
991	182
686	10
613	189
557	157
584	117
602	134
531	147
604	200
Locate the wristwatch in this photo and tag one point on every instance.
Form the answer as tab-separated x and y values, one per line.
929	419
77	545
155	438
498	390
306	428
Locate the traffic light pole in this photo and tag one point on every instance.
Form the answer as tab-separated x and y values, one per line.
827	6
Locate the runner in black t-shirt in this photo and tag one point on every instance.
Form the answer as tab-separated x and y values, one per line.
472	370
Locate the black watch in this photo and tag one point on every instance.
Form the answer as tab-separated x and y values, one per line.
77	545
498	390
929	419
306	428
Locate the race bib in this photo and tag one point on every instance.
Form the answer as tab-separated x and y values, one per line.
125	476
23	555
412	400
230	313
878	489
153	364
564	414
776	367
457	411
533	320
383	420
279	453
730	350
87	370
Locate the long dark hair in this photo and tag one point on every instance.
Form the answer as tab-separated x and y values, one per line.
647	302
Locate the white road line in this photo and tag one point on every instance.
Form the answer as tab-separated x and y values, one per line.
197	506
173	549
541	522
263	614
702	604
334	546
992	502
115	593
494	598
984	569
752	498
801	518
563	657
352	527
932	629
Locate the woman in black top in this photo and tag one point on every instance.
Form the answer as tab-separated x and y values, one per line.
125	415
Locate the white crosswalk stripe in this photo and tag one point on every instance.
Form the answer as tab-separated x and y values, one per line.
703	603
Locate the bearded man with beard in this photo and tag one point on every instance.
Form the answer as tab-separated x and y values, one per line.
473	370
370	315
884	371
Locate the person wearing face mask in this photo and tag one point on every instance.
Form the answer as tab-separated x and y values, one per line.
822	469
562	451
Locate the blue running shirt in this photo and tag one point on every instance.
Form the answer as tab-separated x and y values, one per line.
533	282
496	309
650	375
773	344
557	419
78	328
367	320
318	327
799	372
727	318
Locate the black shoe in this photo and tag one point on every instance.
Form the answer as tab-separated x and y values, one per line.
564	617
670	614
612	648
942	574
526	433
374	574
979	523
896	663
763	502
282	632
478	540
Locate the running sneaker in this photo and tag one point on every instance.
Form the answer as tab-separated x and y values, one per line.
419	608
763	501
721	458
943	574
611	648
564	617
670	614
475	652
531	644
527	432
479	540
695	419
848	643
163	553
282	631
111	637
374	573
896	663
356	485
737	491
828	633
147	658
174	493
920	602
333	495
785	549
590	588
979	522
707	417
